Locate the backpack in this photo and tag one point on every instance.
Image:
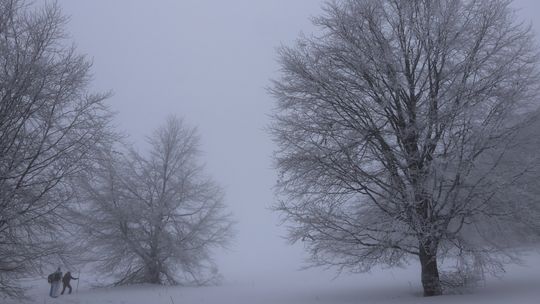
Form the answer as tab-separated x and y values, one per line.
50	278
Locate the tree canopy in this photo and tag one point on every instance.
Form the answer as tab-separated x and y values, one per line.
394	124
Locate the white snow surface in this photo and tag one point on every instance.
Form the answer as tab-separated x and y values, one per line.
520	285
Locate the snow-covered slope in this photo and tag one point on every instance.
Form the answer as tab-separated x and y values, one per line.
520	285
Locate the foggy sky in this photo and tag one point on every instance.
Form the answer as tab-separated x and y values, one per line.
208	61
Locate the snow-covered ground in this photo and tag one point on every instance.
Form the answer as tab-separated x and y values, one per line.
520	285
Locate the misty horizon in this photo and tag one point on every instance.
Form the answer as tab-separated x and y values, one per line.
215	65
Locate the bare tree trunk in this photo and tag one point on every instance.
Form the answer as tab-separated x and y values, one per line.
153	273
430	273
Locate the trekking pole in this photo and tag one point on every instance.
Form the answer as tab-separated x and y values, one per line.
78	280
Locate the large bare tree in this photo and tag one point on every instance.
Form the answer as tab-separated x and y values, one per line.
154	218
395	126
49	124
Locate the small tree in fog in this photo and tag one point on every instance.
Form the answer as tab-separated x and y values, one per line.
394	128
155	218
49	124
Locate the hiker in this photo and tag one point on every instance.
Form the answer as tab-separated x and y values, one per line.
65	280
55	278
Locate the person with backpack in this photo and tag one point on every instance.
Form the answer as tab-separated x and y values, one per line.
54	279
66	280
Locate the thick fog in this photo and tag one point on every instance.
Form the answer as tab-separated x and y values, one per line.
209	62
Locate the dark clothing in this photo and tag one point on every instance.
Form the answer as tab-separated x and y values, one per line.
66	280
56	276
54	279
64	289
